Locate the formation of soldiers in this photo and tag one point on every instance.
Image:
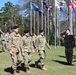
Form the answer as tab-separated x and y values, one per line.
21	48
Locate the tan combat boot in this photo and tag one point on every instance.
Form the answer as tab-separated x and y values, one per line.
44	68
27	71
15	73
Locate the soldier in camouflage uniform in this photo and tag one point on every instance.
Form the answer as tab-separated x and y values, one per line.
34	40
3	42
6	39
40	46
27	48
15	48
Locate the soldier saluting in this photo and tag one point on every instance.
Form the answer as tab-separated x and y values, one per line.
69	43
15	46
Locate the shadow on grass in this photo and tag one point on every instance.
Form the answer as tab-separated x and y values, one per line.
61	62
74	56
33	66
9	70
62	56
20	68
0	51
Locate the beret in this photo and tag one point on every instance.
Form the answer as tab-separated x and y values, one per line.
67	29
15	27
41	31
26	31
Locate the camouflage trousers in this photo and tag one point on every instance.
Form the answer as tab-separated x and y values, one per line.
6	44
42	55
69	55
3	46
27	59
16	59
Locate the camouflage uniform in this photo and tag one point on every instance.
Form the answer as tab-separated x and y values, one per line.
40	46
6	40
15	45
3	42
34	40
27	48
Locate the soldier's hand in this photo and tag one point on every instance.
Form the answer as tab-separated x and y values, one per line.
11	52
37	51
23	54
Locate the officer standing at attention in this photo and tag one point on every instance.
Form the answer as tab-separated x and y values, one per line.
27	49
15	48
40	47
69	43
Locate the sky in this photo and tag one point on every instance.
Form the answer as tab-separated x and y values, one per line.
2	2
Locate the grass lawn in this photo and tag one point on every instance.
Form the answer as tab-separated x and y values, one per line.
55	63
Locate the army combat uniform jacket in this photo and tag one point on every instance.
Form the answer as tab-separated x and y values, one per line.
41	43
15	42
27	44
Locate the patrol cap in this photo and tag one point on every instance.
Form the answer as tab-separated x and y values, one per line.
15	27
67	29
26	31
41	31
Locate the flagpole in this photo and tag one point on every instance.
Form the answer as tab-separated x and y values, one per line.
45	25
48	26
70	22
68	13
30	19
34	21
59	27
55	22
70	17
42	13
37	23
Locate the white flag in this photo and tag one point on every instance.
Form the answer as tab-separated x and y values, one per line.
60	3
57	3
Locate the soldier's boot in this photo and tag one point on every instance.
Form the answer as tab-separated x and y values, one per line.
19	62
44	68
15	73
36	64
28	70
23	65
